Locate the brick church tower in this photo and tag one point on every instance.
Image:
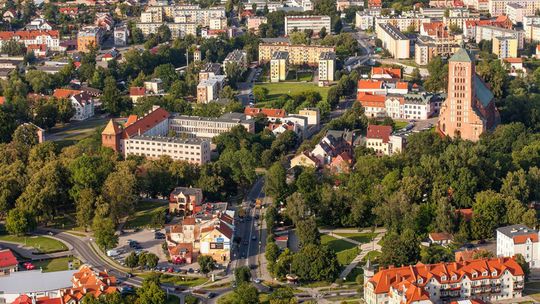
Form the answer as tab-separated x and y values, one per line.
469	109
111	135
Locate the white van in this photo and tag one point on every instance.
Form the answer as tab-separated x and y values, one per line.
112	252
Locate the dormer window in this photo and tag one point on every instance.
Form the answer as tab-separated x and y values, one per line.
485	273
420	281
443	278
494	273
474	274
454	277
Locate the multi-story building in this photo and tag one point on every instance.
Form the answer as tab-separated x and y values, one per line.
498	7
49	38
469	109
271	114
209	70
393	40
403	23
184	200
531	26
121	35
190	13
253	23
237	56
519	239
313	116
217	23
82	102
206	127
380	139
489	32
192	150
302	23
298	54
327	67
402	106
505	47
208	89
178	30
515	12
88	37
487	280
279	66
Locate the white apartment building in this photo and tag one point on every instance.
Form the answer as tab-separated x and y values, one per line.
120	36
393	40
190	13
302	23
193	150
529	24
217	23
237	56
488	32
519	239
403	23
364	21
49	38
498	7
327	67
178	30
515	12
487	280
206	127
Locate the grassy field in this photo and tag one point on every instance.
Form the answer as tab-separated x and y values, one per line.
57	264
144	211
372	255
532	290
359	237
179	280
400	124
78	130
275	90
336	244
42	244
305	76
345	257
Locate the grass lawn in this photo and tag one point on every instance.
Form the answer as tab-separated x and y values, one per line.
305	76
40	243
336	244
172	299
345	257
79	130
532	290
144	211
359	237
275	90
372	255
351	277
400	124
57	264
179	280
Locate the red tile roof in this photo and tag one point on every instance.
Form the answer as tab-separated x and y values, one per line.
394	73
251	111
146	123
514	60
2	100
385	279
370	100
380	132
131	119
28	35
7	259
466	213
522	239
65	93
369	84
440	236
402	85
137	91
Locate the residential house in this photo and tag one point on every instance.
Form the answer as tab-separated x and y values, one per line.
183	200
305	159
136	92
8	262
154	86
384	73
80	100
380	139
34	284
49	38
272	115
440	238
515	66
217	242
89	281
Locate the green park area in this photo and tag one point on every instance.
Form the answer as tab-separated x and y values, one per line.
345	250
178	280
42	244
359	237
58	264
275	90
146	213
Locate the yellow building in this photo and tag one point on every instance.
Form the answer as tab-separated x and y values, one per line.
299	54
279	66
505	47
305	160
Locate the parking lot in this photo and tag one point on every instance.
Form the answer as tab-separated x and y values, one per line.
146	241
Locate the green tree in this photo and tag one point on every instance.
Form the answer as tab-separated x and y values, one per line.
111	99
403	249
19	221
524	265
242	274
282	295
206	263
260	93
119	192
85	204
436	254
40	81
65	110
151	292
489	213
297	208
438	75
307	232
271	253
13	48
275	184
46	115
132	260
234	73
416	77
151	260
164	33
104	232
515	185
315	263
445	216
246	293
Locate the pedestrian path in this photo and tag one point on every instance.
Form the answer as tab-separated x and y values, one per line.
29	252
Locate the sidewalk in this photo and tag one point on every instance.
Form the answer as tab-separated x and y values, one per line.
366	248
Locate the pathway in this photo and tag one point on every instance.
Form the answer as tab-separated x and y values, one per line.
365	248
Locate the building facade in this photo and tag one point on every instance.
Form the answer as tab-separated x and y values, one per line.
195	126
327	67
298	54
88	37
486	280
469	109
279	66
393	40
193	150
302	23
519	239
49	38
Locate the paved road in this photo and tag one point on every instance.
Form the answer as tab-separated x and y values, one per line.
245	88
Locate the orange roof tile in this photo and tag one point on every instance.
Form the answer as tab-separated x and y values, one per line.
137	91
380	132
65	93
440	236
251	111
369	84
394	73
112	128
514	60
522	239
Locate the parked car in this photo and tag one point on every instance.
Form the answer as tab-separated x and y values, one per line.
257	281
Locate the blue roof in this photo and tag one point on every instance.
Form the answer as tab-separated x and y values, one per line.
482	92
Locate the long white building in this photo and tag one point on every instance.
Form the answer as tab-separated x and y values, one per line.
519	239
206	127
193	150
302	23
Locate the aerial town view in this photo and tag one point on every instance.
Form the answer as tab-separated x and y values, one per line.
269	151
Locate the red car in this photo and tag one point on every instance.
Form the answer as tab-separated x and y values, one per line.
29	266
170	270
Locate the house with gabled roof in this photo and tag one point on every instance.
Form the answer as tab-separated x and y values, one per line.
80	100
519	239
8	262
